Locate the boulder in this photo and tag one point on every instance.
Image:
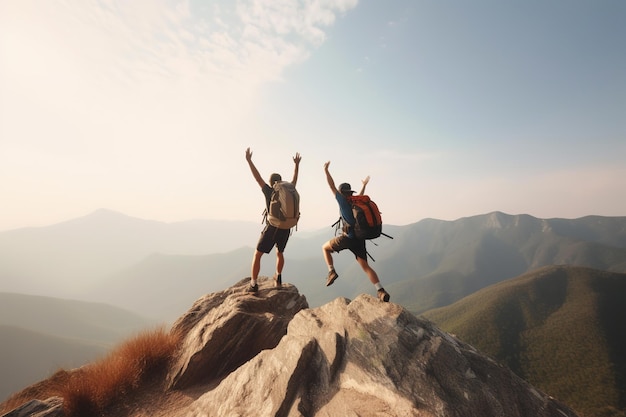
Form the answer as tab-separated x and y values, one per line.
364	358
52	407
225	329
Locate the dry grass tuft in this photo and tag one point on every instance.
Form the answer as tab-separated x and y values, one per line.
90	390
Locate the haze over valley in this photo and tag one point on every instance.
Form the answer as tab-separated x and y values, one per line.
140	274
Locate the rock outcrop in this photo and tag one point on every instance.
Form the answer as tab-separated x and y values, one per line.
270	355
52	407
365	358
226	329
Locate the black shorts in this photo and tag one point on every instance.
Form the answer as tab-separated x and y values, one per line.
356	246
271	236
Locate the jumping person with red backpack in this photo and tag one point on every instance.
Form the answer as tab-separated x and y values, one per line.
348	239
282	213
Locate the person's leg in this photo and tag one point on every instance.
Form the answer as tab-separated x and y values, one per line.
254	272
328	257
263	246
280	261
256	266
371	274
361	259
281	239
327	250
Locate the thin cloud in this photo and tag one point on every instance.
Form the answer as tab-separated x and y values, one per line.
248	42
116	99
162	51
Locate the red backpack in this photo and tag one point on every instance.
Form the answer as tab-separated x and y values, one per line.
368	222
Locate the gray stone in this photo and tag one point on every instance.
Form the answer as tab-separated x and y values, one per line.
224	330
52	407
367	358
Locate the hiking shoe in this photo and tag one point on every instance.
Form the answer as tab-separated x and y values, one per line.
278	281
383	295
332	276
252	289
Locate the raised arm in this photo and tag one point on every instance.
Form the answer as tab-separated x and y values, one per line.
255	172
365	181
329	178
296	161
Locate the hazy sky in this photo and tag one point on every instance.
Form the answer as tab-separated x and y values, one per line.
455	108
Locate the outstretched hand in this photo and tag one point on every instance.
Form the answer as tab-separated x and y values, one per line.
329	178
248	155
297	158
366	180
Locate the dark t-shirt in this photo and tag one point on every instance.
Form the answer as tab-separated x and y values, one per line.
267	192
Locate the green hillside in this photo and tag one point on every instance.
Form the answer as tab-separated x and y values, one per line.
559	327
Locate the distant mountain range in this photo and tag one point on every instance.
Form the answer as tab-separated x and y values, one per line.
65	259
159	269
435	263
39	335
559	327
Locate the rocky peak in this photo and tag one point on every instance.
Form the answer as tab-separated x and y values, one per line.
271	355
224	330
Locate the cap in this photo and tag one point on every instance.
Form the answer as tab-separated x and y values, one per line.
275	178
344	188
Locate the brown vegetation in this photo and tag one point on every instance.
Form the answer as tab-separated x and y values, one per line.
110	381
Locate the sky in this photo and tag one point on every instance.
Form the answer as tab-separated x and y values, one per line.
454	108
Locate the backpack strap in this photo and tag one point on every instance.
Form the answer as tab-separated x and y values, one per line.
337	225
369	254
